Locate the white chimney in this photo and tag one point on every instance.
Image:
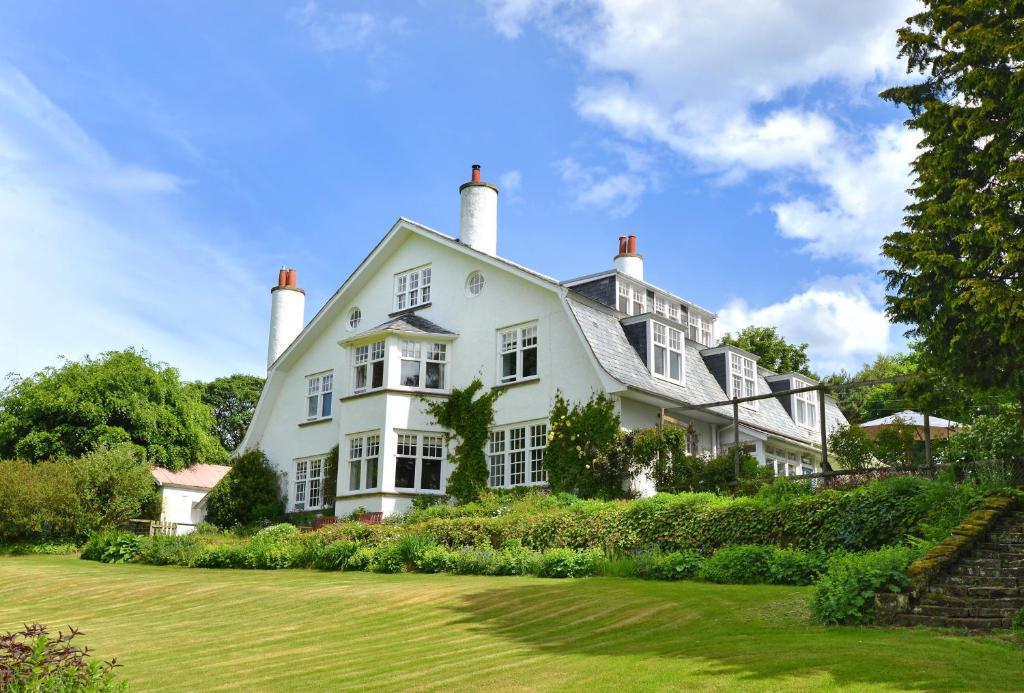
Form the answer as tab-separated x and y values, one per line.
627	261
287	314
478	219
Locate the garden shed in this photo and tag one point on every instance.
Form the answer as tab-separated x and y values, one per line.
182	493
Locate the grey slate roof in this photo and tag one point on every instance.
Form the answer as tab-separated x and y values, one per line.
410	323
603	332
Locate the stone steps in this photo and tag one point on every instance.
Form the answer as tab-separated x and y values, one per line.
969	623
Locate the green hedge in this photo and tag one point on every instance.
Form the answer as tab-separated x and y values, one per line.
846	593
867	518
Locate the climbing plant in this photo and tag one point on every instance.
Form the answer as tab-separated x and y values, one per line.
584	455
467	418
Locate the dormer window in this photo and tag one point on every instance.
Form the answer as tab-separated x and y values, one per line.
805	405
666	352
742	378
701	330
412	288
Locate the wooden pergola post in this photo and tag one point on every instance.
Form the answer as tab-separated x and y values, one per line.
825	466
736	439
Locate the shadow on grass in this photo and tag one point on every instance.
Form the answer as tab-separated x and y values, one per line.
758	634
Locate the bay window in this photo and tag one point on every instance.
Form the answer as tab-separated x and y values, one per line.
368	367
308	484
319	391
423	364
412	288
419	461
517	354
666	352
363	461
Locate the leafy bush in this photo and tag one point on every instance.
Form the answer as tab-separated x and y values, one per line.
744	565
782	490
249	494
411	546
40	501
334	556
223	556
112	547
388	558
48	548
436	559
566	563
846	593
34	660
362	558
184	550
793	567
581	454
697	473
677	565
989	437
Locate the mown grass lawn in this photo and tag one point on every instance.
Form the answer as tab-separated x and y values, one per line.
191	629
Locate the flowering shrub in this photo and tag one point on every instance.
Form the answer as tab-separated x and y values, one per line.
34	660
583	441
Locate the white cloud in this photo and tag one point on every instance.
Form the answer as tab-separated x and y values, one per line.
98	255
597	188
510	182
716	82
838	318
332	29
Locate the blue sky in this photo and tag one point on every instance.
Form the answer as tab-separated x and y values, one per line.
159	161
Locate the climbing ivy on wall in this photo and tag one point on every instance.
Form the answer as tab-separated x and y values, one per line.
467	418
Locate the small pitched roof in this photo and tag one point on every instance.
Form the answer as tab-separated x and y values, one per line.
913	418
199	476
409	323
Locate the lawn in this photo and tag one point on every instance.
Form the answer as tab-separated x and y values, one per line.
192	629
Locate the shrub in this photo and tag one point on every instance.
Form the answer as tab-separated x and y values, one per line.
411	546
566	563
846	593
581	456
39	501
248	495
334	556
112	547
362	558
436	559
677	565
34	660
781	490
515	559
115	485
49	548
744	565
473	561
793	567
223	556
183	550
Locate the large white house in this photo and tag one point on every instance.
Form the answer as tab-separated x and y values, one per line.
426	312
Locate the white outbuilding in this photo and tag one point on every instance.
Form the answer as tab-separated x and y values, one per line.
183	493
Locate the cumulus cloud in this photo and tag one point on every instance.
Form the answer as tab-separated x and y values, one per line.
715	82
510	183
839	318
103	258
595	187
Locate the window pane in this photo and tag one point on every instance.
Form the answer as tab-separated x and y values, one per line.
529	362
405	472
659	334
326	404
371	473
496	458
508	366
360	379
659	360
354	475
435	376
311	403
411	373
675	370
431	475
378	374
517	458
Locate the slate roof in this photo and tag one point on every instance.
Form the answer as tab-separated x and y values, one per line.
409	323
201	476
601	328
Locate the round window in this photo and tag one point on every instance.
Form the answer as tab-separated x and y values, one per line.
355	316
474	284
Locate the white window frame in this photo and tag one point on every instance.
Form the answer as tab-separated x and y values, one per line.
424	441
700	329
673	342
517	340
623	293
515	455
413	288
805	406
742	372
363	452
423	354
319	387
307	487
364	358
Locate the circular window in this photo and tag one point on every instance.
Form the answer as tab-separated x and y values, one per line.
355	316
474	284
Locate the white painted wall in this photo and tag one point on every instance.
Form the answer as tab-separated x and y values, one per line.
179	507
287	317
478	217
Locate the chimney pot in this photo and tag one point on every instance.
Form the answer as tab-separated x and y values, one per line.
622	245
631	245
475	177
282	277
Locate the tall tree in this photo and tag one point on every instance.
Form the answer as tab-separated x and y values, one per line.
957	274
233	400
774	352
119	397
867	403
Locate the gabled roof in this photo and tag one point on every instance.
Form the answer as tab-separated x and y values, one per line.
198	476
602	330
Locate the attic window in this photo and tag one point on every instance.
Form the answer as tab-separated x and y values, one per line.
666	352
805	405
742	378
412	288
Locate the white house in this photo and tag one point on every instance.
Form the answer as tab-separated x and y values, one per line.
426	312
183	494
